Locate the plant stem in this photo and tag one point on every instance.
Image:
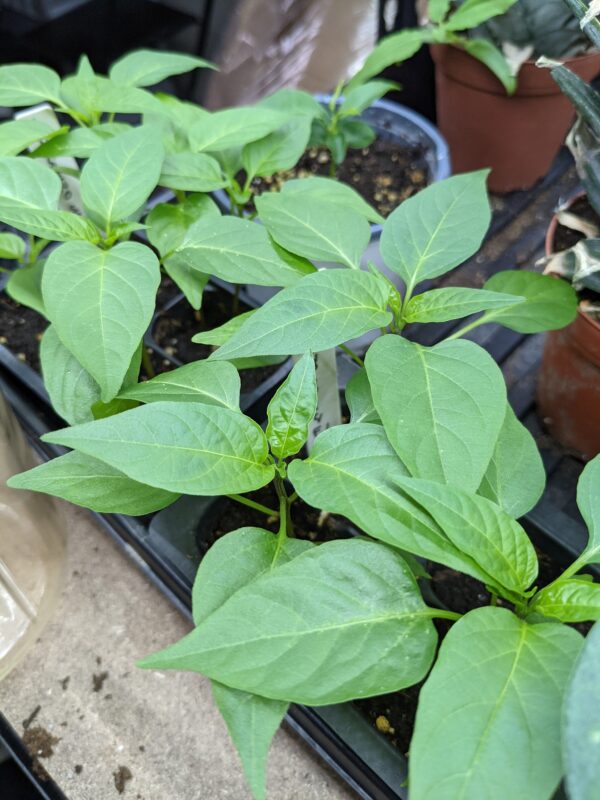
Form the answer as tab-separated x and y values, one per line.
357	359
493	599
147	363
439	613
235	302
292	498
270	512
489	317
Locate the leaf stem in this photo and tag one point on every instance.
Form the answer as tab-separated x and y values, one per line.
466	328
440	613
147	363
245	501
356	358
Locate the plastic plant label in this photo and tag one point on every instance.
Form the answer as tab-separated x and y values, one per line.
329	412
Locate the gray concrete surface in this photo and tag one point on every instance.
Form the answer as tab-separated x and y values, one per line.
163	728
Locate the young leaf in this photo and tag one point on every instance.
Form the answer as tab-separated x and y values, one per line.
191	172
28	183
18	134
473	12
292	409
224	332
120	175
101	303
494	60
279	635
189	448
234	127
319	229
323	310
25	286
569	601
333	191
359	398
581	712
362	97
588	500
148	67
437	10
293	102
12	246
442	407
441	305
479	528
391	50
549	302
90	94
235	250
28	84
169	222
279	150
488	722
515	477
89	482
191	282
79	142
213	383
57	226
437	229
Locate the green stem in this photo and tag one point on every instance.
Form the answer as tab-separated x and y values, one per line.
147	363
292	498
440	613
357	359
493	599
245	501
489	317
285	518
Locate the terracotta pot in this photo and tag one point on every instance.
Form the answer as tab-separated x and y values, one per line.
568	393
518	136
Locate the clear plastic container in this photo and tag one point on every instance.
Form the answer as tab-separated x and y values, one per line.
32	550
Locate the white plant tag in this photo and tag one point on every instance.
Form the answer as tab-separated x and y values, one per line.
70	197
329	412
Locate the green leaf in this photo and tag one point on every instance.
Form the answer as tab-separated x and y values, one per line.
442	407
235	250
588	500
18	134
292	409
89	482
12	246
299	620
515	477
569	601
278	150
148	67
25	286
351	471
362	97
441	305
437	229
323	310
224	332
391	50
356	132
359	398
494	60
335	192
191	282
319	229
121	174
549	302
71	389
437	10
169	222
213	383
57	226
293	102
101	303
234	127
90	94
191	172
479	528
80	142
488	722
581	723
28	183
189	448
474	12
28	84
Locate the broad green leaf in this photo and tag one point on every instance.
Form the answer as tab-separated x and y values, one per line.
224	332
235	250
351	471
479	528
71	389
57	226
437	229
12	246
494	60
336	192
191	172
474	12
588	500
292	409
569	601
437	10
319	229
80	142
28	84
213	383
148	67
581	723
101	303
441	305
323	310
549	302
299	621
442	407
169	222
121	174
234	127
362	97
391	50
359	398
90	94
293	102
28	183
515	477
279	150
89	482
18	134
191	282
488	722
189	448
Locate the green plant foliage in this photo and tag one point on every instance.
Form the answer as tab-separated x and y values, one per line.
292	409
549	303
147	67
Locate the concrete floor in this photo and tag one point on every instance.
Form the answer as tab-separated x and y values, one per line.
163	729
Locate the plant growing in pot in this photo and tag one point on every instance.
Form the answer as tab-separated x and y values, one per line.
433	464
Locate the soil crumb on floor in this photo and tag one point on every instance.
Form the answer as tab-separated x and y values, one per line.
98	680
121	776
39	744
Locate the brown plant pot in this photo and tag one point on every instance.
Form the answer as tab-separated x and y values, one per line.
568	392
518	136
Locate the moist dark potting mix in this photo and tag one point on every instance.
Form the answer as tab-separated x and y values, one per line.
21	329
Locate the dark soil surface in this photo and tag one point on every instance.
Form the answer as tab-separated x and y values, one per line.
174	328
40	744
21	329
383	173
